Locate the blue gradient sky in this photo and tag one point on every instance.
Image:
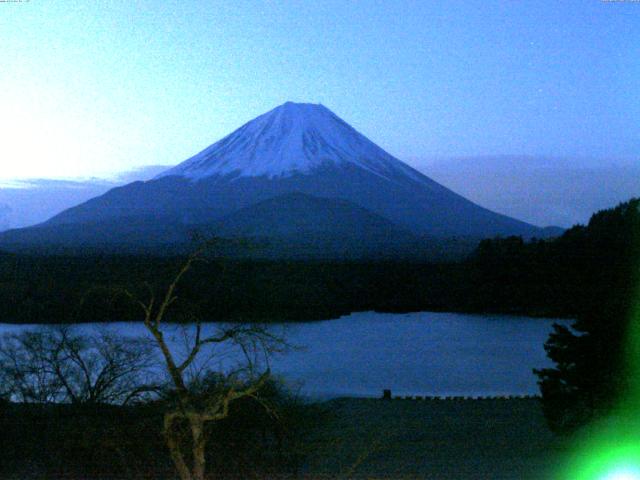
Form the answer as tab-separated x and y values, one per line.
88	88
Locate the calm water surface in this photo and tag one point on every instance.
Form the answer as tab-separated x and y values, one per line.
412	354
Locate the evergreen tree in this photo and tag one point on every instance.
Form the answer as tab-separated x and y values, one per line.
591	356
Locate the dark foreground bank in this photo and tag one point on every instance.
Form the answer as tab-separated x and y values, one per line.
343	438
436	439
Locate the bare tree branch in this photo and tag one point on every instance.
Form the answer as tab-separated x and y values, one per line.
198	406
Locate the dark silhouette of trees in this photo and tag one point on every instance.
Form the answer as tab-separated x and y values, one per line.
592	357
61	365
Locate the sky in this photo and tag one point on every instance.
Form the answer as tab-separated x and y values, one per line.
94	88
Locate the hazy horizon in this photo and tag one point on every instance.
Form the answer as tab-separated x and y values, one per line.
566	194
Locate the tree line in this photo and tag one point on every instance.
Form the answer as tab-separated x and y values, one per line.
559	277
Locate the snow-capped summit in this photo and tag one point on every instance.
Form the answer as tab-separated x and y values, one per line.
294	138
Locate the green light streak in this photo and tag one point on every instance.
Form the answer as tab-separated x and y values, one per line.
610	449
612	453
624	474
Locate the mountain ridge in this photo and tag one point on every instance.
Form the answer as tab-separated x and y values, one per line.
301	148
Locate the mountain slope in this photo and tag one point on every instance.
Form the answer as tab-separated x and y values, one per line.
298	214
300	148
298	225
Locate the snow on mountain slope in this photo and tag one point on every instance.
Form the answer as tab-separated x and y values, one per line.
294	138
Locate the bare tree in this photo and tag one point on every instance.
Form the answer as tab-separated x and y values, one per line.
200	399
60	365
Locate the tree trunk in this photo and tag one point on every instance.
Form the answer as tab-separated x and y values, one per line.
173	443
199	444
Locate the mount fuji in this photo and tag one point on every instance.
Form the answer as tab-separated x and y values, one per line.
297	174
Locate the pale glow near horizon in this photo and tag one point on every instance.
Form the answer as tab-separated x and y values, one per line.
43	139
36	143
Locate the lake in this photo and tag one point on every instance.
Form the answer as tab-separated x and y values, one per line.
422	353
